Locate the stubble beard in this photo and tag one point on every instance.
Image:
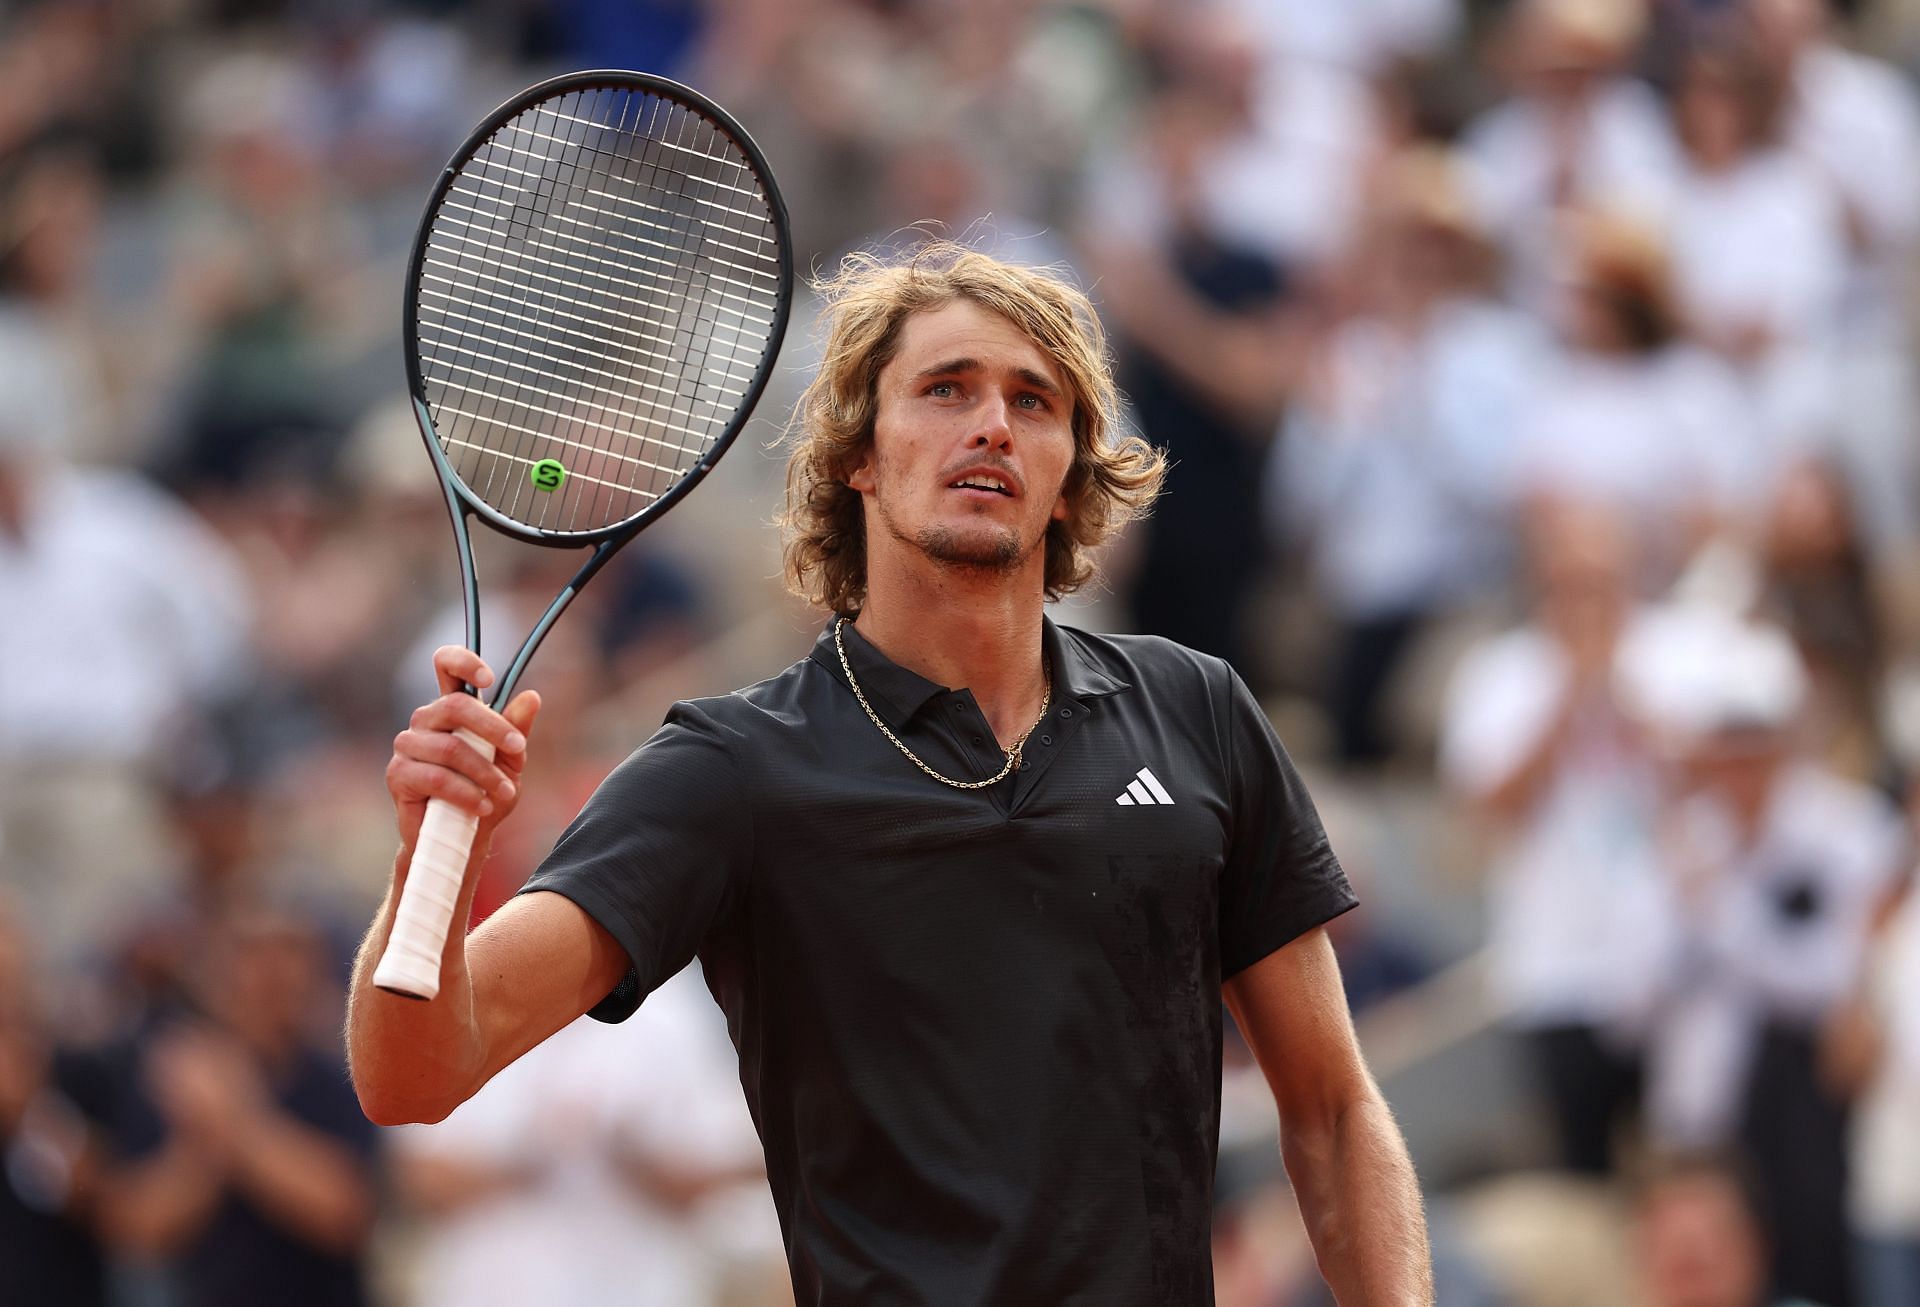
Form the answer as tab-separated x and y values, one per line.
996	552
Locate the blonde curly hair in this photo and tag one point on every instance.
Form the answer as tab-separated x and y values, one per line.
1113	479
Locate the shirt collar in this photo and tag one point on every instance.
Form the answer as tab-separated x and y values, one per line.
1076	672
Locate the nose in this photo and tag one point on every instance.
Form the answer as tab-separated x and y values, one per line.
993	430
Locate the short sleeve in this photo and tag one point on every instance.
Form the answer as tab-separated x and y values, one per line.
1282	878
657	853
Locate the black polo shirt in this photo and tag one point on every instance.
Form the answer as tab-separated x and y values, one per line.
979	1030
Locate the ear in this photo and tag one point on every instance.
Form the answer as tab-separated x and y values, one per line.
860	478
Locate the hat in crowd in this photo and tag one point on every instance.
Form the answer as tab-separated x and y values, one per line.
1691	671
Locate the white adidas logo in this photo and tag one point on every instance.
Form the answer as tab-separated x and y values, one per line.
1144	789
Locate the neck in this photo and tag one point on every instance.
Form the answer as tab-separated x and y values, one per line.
980	633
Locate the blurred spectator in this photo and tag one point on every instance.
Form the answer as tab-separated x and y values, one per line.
1392	469
1857	121
1307	78
1538	740
55	1103
1700	1240
261	272
249	1163
1200	325
123	615
1759	248
582	1173
1778	866
1632	413
1576	133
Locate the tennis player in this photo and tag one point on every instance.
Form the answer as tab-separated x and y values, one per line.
969	885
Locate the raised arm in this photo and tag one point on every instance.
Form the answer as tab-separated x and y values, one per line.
1343	1152
536	964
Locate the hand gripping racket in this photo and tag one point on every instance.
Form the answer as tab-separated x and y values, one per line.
596	296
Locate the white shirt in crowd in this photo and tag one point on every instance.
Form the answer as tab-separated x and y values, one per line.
122	608
662	1084
1575	880
1654	436
1857	120
1773	931
1763	243
1398	477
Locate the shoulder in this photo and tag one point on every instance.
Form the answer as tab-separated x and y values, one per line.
1150	663
776	703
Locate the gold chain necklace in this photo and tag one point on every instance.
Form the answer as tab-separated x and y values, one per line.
1013	754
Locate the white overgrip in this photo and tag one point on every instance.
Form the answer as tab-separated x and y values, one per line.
423	917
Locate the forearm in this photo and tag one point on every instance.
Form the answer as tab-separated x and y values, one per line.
310	1184
1361	1201
413	1059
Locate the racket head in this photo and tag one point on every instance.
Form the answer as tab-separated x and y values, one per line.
601	280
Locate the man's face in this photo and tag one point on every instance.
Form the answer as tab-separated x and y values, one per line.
972	441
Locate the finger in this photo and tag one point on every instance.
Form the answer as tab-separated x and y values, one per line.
451	751
521	712
423	780
456	712
524	708
456	667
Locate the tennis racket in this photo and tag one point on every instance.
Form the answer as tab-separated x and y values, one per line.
598	289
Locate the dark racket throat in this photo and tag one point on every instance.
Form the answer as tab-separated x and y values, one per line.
596	296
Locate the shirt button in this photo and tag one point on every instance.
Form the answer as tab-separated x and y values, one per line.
978	740
1066	712
1046	739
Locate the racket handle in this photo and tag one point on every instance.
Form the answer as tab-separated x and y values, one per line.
421	920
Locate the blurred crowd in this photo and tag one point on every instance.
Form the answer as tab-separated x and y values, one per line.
1540	377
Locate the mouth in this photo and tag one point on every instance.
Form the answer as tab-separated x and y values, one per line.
983	483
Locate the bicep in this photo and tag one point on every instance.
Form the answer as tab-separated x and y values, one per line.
536	965
1292	1011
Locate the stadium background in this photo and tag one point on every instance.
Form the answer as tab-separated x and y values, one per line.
1474	329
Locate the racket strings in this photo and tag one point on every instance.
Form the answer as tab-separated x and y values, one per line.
600	286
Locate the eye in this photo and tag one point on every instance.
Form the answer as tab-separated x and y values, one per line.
1030	400
941	390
